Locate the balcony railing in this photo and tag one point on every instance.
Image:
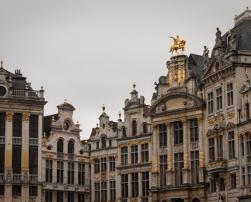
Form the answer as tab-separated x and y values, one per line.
17	178
2	140
17	140
33	178
71	156
1	177
33	141
217	166
27	93
60	155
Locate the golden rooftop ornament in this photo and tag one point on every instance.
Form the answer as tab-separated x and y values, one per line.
178	44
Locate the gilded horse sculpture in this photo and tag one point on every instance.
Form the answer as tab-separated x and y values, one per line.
178	44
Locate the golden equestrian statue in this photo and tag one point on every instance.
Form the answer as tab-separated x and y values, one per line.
177	44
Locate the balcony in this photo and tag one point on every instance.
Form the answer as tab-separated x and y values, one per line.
1	178
17	178
17	140
60	155
33	141
33	179
27	93
71	156
217	166
2	140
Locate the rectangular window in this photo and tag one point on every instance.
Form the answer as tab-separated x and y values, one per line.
243	176
103	164
2	157
48	196
96	166
249	175
212	186
163	170
97	191
60	172
33	162
70	173
162	135
194	137
33	126
178	133
124	186
70	196
81	174
81	197
233	180
16	158
211	149
219	147
178	166
135	184
17	125
210	102
195	167
48	171
248	145
113	190
16	190
32	191
219	98
222	184
1	190
247	111
230	99
60	196
2	124
97	145
144	153
124	156
112	163
134	154
231	147
242	145
103	192
145	184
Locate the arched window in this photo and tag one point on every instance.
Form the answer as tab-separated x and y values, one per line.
103	142
134	127
124	132
71	147
60	146
145	128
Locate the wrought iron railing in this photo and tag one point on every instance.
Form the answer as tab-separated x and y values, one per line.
17	178
33	141
17	140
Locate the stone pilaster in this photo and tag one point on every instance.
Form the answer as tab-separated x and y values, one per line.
140	184
185	153
154	155
169	154
8	157
202	143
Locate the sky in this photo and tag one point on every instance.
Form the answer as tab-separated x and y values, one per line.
91	52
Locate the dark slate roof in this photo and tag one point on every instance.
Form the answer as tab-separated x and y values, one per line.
243	35
47	123
195	65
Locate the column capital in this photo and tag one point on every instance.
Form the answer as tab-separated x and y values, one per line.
26	116
200	118
168	123
184	121
9	116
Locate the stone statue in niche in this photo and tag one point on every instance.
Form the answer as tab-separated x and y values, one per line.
231	40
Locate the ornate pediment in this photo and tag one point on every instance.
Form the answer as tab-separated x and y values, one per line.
175	101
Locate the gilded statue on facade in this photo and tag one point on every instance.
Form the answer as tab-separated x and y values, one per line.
178	44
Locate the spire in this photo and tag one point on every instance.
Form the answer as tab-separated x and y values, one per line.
134	85
103	108
1	64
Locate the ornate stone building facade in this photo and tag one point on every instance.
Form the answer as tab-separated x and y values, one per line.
192	143
65	159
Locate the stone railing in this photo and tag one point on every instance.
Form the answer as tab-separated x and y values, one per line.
17	178
27	93
2	140
33	178
33	141
17	140
71	156
217	166
60	155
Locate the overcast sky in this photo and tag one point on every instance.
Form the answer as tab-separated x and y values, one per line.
91	52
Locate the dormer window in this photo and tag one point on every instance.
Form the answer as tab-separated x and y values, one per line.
97	145
134	127
103	142
123	132
103	126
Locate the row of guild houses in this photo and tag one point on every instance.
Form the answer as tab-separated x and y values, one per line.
192	143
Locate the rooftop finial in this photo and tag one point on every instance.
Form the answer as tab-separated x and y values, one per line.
134	85
65	100
103	108
1	64
247	8
119	114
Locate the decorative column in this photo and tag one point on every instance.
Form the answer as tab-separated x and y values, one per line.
25	156
155	173
8	157
169	154
185	153
140	184
41	161
202	145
